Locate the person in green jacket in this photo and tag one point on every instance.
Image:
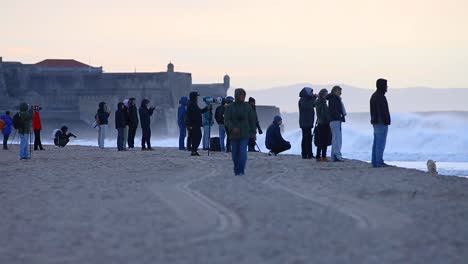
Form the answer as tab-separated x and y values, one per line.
239	120
24	128
322	131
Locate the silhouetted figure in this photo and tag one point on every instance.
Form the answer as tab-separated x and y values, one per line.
380	120
274	141
193	121
62	137
6	131
253	140
133	122
181	121
322	132
337	116
306	120
146	111
102	119
120	123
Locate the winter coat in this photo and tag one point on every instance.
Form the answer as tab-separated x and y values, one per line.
133	116
240	115
194	114
335	108
145	116
8	124
380	114
306	109
120	117
36	121
182	111
26	117
323	115
219	114
102	115
208	118
273	136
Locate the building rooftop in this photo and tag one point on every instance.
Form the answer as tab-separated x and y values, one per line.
62	63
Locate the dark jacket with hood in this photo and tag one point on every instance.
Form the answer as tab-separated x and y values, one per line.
335	108
219	114
145	114
181	111
102	114
380	114
306	108
132	115
120	117
323	115
8	123
194	113
240	115
26	117
273	135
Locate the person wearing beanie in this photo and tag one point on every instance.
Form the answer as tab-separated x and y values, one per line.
380	120
181	121
274	141
133	122
37	127
239	120
252	140
193	122
337	117
306	120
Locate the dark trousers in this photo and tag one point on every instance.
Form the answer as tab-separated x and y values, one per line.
62	141
37	140
145	137
5	141
252	143
189	140
280	147
131	136
182	134
195	135
307	142
323	151
120	138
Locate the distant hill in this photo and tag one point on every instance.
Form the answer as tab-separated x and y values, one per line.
419	99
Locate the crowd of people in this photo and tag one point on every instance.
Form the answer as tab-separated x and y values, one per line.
237	121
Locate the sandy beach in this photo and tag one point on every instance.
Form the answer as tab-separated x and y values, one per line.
86	205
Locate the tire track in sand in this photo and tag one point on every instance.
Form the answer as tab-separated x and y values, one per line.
366	215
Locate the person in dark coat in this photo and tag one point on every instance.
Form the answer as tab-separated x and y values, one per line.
37	127
6	131
274	141
146	112
253	140
102	119
62	137
193	121
127	123
380	120
306	120
337	117
219	117
25	117
181	121
120	123
322	132
132	122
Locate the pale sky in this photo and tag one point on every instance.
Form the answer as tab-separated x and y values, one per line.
259	43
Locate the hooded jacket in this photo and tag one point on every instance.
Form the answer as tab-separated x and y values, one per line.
8	123
380	114
194	113
208	117
102	114
219	114
26	116
335	108
36	121
306	108
323	115
240	115
120	117
181	111
273	135
145	114
133	115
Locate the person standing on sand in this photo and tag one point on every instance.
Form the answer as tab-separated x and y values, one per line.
239	120
219	116
24	129
37	127
127	123
193	121
380	120
6	131
337	116
273	140
229	101
102	118
146	111
132	122
181	121
120	123
322	132
207	118
253	140
306	120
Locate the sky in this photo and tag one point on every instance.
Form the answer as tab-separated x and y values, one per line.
259	43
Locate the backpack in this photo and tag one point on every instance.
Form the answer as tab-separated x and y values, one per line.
214	144
17	122
2	124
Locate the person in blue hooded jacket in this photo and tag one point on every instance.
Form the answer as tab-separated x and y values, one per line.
274	141
6	131
181	121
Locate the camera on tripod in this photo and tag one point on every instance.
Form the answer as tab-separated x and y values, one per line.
36	108
212	100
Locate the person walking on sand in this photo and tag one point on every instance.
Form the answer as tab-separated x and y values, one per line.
306	120
146	111
37	127
6	130
102	118
253	140
380	120
23	125
181	111
239	120
133	122
274	141
322	132
193	121
337	117
120	123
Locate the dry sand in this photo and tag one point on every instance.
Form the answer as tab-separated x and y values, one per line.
86	205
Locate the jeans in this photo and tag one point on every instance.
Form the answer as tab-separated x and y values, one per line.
102	135
125	137
120	138
24	141
37	140
222	133
5	141
378	147
239	154
182	134
131	136
206	137
306	143
335	127
195	136
145	137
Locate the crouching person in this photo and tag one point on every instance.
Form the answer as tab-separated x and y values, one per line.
274	141
62	137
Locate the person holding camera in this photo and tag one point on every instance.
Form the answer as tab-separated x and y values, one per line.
239	120
37	127
193	121
102	119
6	128
252	140
62	137
133	122
274	141
306	120
146	111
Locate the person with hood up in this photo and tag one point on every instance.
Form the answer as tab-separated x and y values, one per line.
207	123
62	137
146	111
219	116
274	141
6	131
306	120
380	120
102	119
337	117
37	127
120	123
24	129
127	123
322	132
239	120
181	121
193	121
252	140
133	122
